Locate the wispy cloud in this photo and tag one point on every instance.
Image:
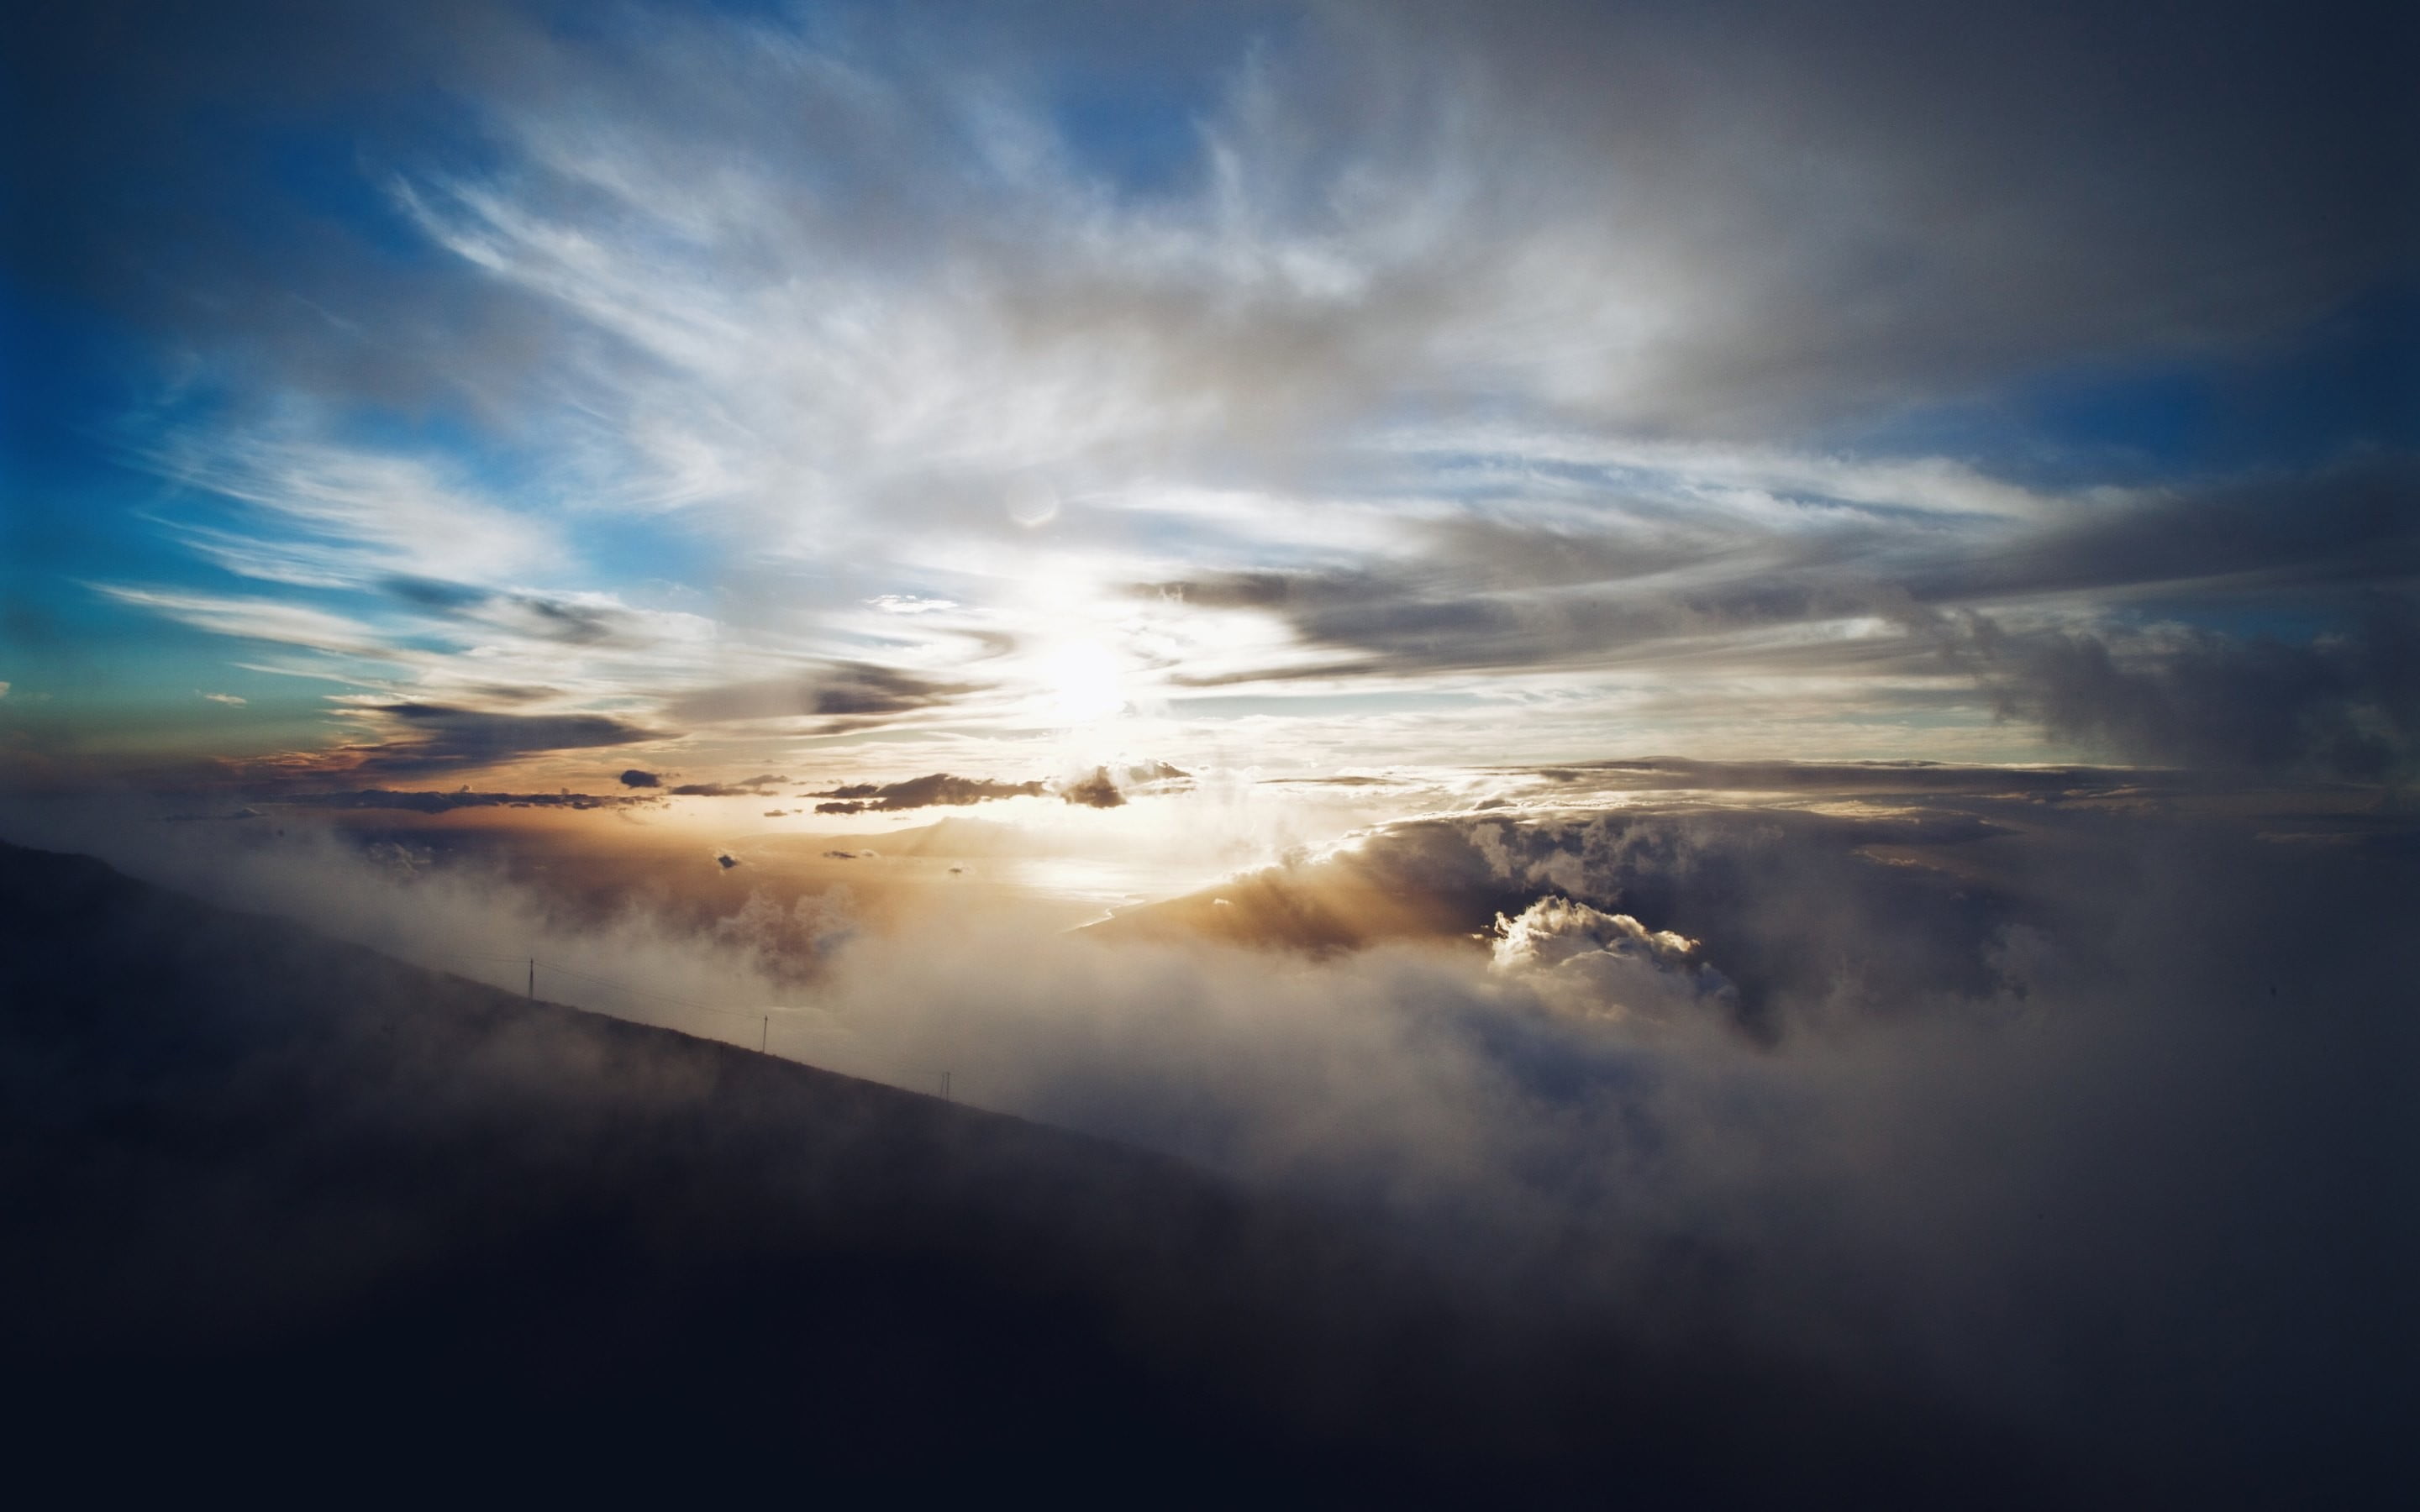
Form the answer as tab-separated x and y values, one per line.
315	514
423	740
1503	362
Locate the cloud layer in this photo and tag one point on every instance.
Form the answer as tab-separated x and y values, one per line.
782	380
1928	1084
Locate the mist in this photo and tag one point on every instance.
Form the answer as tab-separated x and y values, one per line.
2088	1115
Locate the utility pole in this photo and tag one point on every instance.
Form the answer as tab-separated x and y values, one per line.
945	1087
765	1036
533	996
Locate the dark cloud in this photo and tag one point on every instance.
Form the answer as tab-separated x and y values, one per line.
1873	779
2345	706
446	802
511	692
542	616
429	738
939	790
1496	595
1935	232
578	624
2320	547
848	689
752	788
1430	624
1622	541
1101	788
2347	525
635	778
2233	185
1096	790
431	594
1780	898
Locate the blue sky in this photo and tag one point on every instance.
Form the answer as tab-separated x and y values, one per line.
872	389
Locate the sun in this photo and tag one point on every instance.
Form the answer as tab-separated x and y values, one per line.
1085	682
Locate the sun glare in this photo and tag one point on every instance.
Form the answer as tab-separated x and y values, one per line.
1085	682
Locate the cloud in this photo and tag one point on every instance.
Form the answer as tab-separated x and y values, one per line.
428	739
1100	788
858	689
750	788
471	648
419	802
255	619
1683	599
317	514
1610	964
228	698
1096	789
1430	354
938	790
1417	193
1516	361
2014	1053
2345	525
636	777
2340	706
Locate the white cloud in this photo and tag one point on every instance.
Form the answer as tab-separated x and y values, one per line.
321	514
1606	964
257	618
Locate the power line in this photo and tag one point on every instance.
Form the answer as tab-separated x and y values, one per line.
763	1013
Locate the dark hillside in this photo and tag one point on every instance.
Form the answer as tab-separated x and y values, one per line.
284	1213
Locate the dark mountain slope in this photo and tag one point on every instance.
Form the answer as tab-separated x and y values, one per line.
287	1214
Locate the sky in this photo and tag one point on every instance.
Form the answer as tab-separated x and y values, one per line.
1780	633
520	394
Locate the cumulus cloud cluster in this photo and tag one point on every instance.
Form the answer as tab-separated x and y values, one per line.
1594	962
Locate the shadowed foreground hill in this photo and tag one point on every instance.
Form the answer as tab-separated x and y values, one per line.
285	1212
